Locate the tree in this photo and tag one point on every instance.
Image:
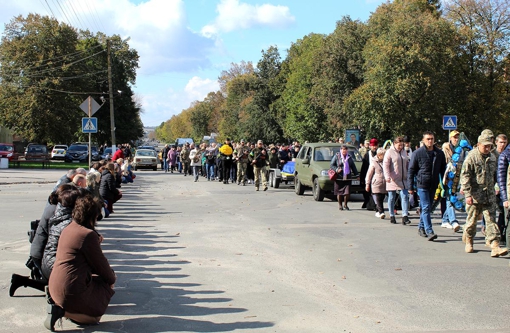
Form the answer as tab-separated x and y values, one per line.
304	119
39	61
410	79
47	70
338	70
484	27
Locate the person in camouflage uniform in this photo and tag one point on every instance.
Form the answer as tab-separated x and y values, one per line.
259	159
242	159
477	179
185	160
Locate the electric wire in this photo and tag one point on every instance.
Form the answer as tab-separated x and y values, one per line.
50	9
61	12
87	17
69	4
16	70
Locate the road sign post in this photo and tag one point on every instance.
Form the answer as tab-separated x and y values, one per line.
89	106
449	123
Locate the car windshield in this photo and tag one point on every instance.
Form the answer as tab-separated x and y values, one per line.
60	147
78	148
107	151
37	149
146	153
326	153
6	148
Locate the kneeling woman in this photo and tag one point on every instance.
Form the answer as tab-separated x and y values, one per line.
81	283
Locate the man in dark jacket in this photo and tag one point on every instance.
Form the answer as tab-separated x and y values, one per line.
427	164
503	163
371	153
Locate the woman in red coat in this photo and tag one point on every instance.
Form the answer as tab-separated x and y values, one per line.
81	283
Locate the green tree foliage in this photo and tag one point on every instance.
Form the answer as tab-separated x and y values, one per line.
398	73
408	72
484	28
49	68
338	71
36	56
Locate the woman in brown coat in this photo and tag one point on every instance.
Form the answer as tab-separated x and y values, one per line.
81	283
376	182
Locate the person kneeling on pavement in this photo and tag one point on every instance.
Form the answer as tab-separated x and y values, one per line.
81	283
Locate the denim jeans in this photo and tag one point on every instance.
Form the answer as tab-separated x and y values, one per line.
426	198
165	164
449	213
196	171
211	171
404	200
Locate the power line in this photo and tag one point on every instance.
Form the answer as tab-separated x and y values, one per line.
69	4
57	58
50	8
87	17
61	11
98	18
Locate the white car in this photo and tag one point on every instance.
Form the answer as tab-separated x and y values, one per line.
59	152
145	159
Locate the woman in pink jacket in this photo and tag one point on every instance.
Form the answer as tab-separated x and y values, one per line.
395	166
375	181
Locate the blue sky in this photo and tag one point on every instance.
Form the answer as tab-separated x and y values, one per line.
184	45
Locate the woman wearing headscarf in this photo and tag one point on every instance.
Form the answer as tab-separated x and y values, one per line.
343	164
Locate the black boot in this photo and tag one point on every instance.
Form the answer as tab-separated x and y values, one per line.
393	220
405	220
16	282
422	232
55	312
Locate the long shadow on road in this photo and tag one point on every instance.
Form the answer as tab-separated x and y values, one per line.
153	291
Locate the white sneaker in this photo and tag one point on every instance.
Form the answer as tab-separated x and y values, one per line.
446	225
455	226
382	216
377	215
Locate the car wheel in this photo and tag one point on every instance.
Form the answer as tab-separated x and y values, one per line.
271	178
318	193
155	169
277	182
136	169
298	187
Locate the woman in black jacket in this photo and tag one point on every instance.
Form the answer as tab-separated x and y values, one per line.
38	280
60	220
343	164
107	188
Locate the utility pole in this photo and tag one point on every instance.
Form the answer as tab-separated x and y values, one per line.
110	88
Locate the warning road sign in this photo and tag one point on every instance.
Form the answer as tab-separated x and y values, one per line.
449	122
89	125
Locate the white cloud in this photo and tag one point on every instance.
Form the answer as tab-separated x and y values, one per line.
233	15
197	88
162	105
157	28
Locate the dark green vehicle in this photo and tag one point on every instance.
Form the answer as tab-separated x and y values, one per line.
312	165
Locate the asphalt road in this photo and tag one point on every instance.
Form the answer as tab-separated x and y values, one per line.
209	257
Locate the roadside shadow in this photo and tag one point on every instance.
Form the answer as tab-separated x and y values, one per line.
153	291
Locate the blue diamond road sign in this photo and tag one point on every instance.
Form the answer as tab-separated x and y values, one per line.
89	125
449	122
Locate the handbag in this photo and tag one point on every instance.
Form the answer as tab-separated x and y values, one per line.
332	174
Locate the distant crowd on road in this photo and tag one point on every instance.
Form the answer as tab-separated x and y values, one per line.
231	162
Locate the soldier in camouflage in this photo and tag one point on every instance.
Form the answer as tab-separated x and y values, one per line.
477	181
185	160
242	159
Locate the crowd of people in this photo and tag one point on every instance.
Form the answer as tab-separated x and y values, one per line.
455	176
66	260
231	162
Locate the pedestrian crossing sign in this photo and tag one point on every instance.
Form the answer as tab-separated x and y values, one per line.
89	125
449	122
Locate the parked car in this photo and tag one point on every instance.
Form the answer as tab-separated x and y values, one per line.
77	153
58	152
145	159
107	154
36	152
95	154
7	151
312	165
